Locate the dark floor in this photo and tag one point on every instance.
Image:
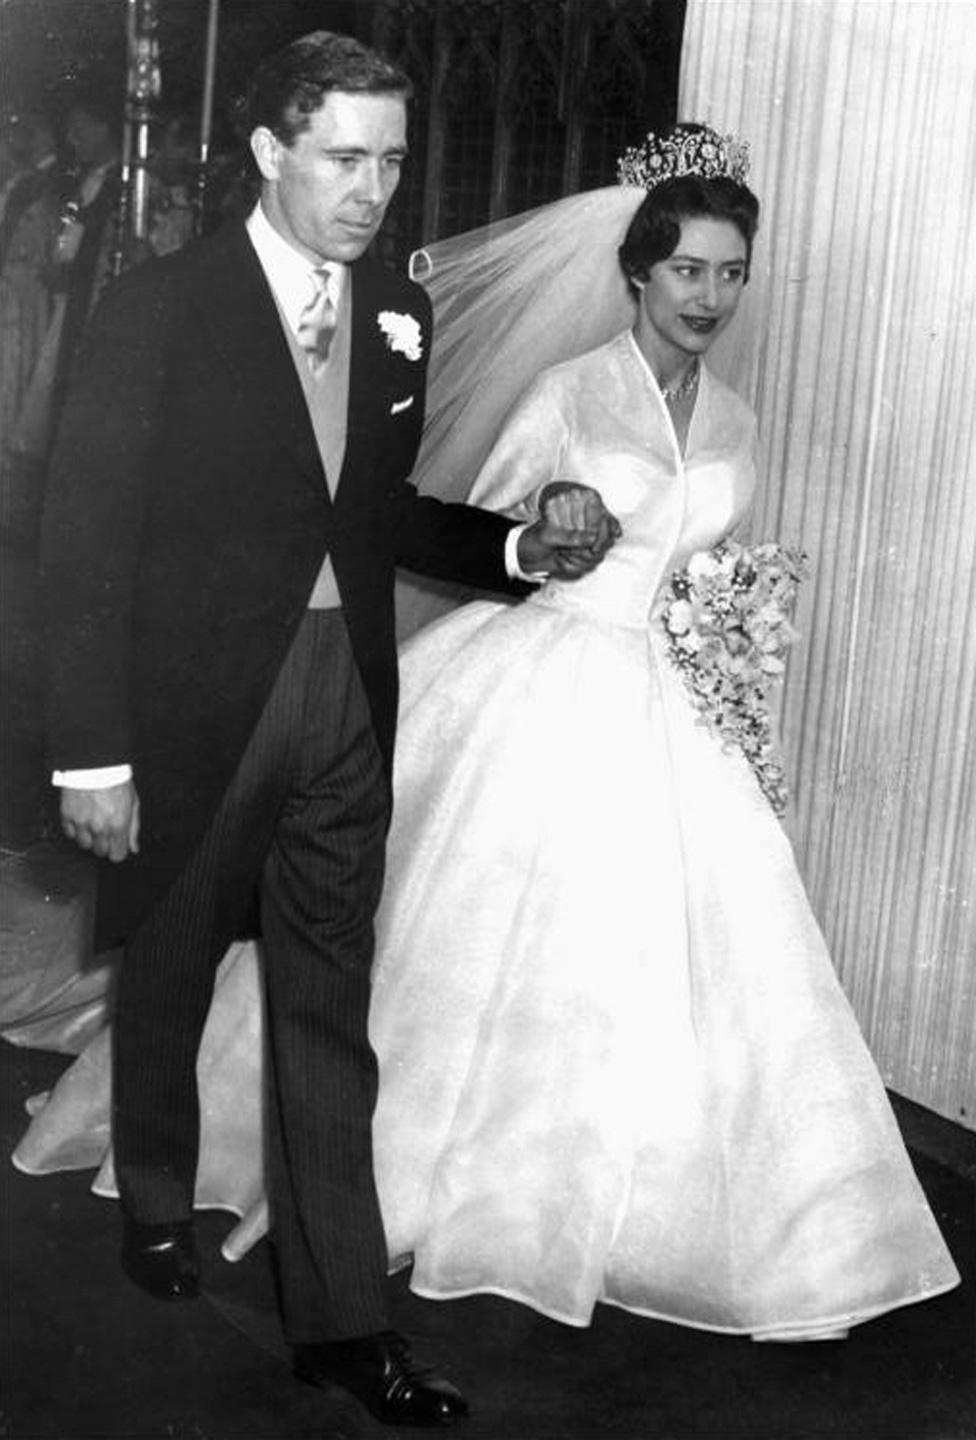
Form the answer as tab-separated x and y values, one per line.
86	1355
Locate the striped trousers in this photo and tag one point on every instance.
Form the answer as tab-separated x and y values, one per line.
305	820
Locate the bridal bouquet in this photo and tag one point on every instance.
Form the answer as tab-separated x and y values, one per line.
727	622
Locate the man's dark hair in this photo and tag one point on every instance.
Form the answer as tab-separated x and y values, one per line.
291	85
655	230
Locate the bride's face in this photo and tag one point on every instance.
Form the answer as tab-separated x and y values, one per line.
689	298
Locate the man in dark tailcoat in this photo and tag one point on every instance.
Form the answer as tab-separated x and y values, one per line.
229	498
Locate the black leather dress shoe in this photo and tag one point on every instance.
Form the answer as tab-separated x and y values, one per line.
381	1372
162	1259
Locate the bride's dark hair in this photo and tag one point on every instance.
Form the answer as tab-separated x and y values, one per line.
653	233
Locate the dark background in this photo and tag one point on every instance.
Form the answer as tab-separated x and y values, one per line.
518	101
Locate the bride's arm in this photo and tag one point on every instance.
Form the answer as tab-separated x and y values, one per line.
526	456
568	528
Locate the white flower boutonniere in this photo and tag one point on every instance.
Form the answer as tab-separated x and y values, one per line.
402	333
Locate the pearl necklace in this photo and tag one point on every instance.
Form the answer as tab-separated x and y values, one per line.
683	388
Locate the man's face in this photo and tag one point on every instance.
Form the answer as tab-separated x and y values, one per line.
327	193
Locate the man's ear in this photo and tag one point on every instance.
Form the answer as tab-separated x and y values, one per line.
266	149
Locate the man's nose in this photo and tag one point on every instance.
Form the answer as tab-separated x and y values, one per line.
371	188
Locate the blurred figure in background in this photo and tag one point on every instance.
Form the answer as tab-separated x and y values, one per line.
12	165
32	157
90	219
28	233
74	248
174	181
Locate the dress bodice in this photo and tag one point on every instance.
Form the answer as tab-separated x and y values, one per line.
600	420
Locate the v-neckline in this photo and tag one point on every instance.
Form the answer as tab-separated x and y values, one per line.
680	452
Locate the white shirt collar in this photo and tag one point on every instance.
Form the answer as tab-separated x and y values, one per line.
289	273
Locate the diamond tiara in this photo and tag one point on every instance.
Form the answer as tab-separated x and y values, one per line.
684	151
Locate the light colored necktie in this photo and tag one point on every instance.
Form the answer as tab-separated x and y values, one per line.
317	322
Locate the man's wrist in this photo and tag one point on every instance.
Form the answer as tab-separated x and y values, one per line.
513	563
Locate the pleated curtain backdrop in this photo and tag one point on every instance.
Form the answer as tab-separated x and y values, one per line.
855	342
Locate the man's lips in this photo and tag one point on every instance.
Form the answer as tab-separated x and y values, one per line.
701	324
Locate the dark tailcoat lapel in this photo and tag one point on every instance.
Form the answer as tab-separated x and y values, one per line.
377	378
242	321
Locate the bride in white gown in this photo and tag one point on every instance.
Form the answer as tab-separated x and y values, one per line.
615	1061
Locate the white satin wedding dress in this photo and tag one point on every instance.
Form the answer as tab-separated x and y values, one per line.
615	1061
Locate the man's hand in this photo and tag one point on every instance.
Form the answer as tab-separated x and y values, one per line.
573	533
105	821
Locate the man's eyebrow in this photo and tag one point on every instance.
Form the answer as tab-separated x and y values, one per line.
362	150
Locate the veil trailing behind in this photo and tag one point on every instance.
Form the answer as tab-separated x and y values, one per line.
510	299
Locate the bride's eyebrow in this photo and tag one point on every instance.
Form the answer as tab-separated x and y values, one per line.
700	260
697	259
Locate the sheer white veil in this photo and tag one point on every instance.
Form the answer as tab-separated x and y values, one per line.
510	299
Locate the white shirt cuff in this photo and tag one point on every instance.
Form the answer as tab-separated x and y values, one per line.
97	779
512	566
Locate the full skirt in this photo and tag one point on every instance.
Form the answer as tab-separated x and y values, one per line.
616	1063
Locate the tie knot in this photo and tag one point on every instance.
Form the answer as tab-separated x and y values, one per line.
322	280
318	320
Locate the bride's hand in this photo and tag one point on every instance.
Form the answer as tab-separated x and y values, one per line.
572	535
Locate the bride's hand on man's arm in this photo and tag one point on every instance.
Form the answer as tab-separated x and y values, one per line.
573	533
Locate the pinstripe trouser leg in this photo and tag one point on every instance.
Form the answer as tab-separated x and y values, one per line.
306	812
